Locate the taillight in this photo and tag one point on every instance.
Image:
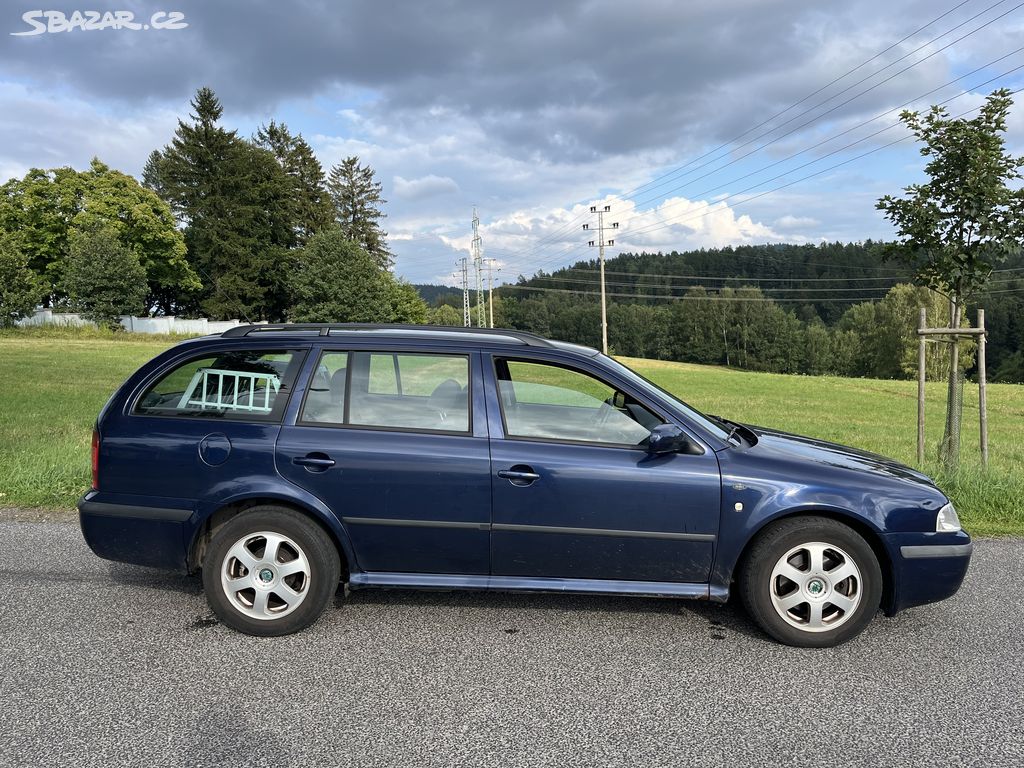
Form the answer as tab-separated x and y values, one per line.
96	458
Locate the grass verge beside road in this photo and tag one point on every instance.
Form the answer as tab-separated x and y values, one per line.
55	382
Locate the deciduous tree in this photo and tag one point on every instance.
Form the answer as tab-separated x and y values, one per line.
20	288
445	315
103	278
335	281
966	219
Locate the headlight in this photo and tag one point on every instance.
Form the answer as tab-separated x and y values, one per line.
947	521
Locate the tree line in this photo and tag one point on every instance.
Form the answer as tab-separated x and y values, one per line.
221	226
762	308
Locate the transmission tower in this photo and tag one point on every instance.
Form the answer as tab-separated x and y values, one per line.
601	243
477	251
465	291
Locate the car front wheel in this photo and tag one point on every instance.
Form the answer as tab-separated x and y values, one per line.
811	582
270	571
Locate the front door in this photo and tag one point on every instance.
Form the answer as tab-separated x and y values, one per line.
391	441
575	493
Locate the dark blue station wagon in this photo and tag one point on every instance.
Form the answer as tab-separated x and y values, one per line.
283	460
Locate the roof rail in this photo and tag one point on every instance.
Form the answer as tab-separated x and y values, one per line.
324	329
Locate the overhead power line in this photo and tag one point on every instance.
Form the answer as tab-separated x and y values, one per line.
525	254
849	100
676	297
893	278
964	92
700	214
717	297
748	279
796	104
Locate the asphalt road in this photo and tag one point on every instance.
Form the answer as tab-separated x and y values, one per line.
103	664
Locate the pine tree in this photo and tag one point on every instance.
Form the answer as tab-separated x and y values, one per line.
236	204
356	197
312	209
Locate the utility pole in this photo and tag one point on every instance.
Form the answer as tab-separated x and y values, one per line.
477	251
465	291
601	243
490	290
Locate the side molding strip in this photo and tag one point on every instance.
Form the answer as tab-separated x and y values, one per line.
416	523
604	532
528	528
132	510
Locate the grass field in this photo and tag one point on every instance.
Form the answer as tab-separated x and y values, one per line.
56	381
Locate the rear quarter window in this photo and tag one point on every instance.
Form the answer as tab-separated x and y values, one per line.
246	385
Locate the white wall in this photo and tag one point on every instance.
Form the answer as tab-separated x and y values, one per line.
167	324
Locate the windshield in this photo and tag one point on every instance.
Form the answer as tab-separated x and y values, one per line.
650	387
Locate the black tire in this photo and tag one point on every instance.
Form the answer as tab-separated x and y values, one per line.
756	584
313	585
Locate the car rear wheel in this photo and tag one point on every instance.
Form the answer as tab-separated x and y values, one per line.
270	571
811	582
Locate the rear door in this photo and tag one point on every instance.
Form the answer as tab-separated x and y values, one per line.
576	495
202	428
395	442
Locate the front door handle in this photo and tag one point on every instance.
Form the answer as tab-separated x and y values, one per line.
520	475
314	462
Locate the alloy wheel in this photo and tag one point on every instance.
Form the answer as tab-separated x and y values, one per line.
265	575
816	587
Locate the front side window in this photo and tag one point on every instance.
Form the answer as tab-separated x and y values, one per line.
394	390
244	385
551	402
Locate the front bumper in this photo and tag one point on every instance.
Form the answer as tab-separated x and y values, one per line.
927	567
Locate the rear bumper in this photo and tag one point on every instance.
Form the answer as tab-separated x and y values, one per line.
122	530
927	567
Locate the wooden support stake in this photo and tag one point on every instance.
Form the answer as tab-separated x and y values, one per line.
921	341
982	395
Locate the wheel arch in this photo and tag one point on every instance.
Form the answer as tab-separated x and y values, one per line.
229	509
864	529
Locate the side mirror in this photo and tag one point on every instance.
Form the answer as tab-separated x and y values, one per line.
667	438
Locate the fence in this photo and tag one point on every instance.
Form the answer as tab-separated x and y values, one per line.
199	326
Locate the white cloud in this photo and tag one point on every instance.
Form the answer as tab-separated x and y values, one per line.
425	186
53	130
789	222
528	240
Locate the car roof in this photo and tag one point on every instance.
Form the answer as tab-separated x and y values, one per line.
427	333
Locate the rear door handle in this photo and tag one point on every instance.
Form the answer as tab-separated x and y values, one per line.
519	475
314	462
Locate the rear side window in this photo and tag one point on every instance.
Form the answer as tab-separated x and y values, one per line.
246	385
391	390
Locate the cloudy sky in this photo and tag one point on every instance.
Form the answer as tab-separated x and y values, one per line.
701	123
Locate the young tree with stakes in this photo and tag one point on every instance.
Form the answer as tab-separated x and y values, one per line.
965	220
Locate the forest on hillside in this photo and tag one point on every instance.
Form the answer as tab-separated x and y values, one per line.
831	308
